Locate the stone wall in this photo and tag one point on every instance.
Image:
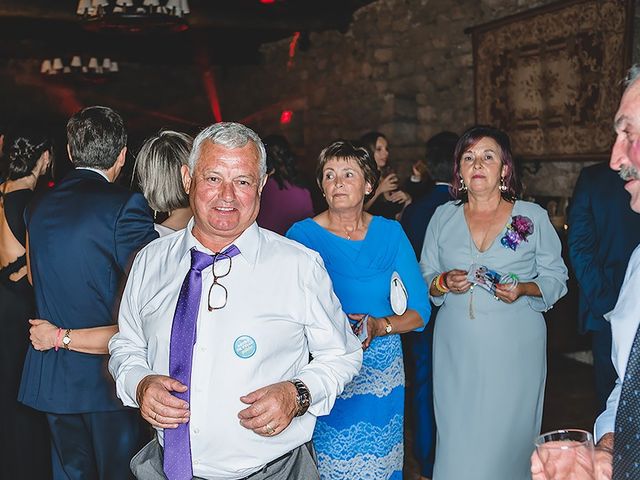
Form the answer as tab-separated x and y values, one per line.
404	67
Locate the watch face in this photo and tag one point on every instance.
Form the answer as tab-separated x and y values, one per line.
66	340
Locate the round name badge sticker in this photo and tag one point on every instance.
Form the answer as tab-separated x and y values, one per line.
244	346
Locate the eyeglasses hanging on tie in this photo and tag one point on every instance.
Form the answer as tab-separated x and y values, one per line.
218	293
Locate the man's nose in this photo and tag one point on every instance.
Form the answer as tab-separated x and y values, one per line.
227	192
618	155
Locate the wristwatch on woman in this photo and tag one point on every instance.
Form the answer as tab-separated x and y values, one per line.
66	340
303	397
388	327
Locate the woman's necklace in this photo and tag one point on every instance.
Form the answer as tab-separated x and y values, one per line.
478	252
350	231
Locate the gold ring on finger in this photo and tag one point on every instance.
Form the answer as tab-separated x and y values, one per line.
270	430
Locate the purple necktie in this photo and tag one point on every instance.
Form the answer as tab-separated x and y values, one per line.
177	444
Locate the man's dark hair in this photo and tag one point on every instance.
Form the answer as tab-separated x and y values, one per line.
96	136
439	155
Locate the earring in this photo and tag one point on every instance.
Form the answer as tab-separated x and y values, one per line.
463	187
503	187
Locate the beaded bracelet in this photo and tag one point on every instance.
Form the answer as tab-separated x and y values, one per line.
57	344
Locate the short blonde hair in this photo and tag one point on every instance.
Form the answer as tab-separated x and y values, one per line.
158	167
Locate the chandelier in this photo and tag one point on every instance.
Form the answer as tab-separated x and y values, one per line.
93	70
134	15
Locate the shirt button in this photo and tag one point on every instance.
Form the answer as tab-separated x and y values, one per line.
196	462
196	430
203	349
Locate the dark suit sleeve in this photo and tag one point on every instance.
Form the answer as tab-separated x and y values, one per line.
583	247
134	229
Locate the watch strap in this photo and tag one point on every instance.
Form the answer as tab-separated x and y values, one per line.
303	396
388	328
66	339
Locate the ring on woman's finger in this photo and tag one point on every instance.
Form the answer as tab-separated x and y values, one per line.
155	416
269	429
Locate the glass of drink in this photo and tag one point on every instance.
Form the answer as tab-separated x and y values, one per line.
566	454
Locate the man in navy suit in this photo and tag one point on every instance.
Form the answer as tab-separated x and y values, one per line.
81	238
603	232
418	345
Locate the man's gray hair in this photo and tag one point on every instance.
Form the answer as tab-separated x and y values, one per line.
632	75
229	135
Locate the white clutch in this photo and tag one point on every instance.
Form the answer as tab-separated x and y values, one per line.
398	295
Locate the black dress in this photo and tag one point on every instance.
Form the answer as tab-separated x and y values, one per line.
24	435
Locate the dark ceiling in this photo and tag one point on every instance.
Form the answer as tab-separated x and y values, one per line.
231	30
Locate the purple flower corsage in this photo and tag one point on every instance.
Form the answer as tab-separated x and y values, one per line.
517	231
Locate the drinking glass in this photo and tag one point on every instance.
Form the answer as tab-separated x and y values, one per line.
566	454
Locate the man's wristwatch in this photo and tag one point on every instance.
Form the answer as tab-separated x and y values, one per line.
303	397
66	340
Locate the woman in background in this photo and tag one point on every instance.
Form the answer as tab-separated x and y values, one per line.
387	201
362	437
24	437
489	345
285	200
158	168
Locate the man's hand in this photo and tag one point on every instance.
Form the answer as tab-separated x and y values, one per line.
537	470
604	457
578	467
272	408
157	405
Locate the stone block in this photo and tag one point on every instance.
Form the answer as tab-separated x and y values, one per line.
383	55
405	108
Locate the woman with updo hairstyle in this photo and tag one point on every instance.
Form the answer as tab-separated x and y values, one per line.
24	440
362	437
158	168
285	199
387	199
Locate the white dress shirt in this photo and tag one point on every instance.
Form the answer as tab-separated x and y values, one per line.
624	318
280	298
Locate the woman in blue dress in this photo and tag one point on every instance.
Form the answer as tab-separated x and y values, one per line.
362	437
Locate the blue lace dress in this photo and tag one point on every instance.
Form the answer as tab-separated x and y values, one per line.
362	437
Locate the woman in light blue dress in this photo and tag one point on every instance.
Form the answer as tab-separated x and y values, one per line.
489	353
362	437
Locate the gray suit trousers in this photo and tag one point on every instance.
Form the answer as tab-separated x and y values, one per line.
298	464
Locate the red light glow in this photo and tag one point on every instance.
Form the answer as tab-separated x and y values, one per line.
266	2
285	117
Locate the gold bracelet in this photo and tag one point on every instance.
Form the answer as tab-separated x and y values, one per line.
436	283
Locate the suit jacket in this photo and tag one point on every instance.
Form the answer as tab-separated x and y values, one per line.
603	232
416	216
82	237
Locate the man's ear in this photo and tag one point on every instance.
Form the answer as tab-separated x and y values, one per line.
186	178
263	182
122	157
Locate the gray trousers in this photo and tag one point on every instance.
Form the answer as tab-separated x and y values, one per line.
298	464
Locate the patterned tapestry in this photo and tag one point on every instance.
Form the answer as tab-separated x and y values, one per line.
551	77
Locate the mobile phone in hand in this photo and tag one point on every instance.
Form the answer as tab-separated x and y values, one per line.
360	328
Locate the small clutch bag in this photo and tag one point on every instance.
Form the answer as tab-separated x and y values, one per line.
398	294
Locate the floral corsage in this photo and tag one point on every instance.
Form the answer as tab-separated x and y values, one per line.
517	231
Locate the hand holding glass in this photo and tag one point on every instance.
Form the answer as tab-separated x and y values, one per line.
566	455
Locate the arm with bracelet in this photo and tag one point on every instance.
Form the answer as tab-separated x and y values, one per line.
45	336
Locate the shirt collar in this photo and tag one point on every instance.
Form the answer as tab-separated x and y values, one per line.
104	175
248	242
